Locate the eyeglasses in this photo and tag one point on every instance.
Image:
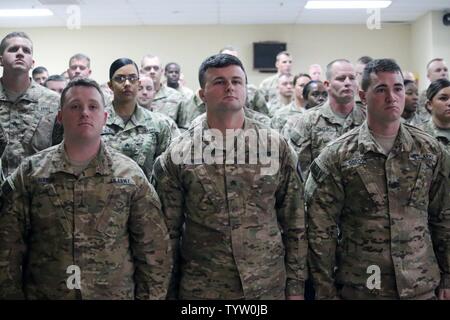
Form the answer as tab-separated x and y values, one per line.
132	78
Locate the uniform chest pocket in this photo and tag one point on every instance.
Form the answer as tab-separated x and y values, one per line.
113	219
420	192
209	178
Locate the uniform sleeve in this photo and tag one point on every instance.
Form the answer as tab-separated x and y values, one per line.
439	217
171	194
324	197
149	244
14	229
298	133
291	217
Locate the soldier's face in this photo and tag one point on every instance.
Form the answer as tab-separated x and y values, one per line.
440	106
299	85
40	77
284	64
225	89
285	86
342	85
79	68
146	92
411	97
359	68
317	95
437	70
385	97
172	74
83	114
18	55
57	86
315	72
125	91
152	67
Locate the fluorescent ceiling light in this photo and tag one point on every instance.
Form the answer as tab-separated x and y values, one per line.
25	12
347	4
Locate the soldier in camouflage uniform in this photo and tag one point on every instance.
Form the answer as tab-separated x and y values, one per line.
81	205
296	107
377	204
138	133
438	95
436	69
268	87
237	230
410	115
166	100
27	109
285	94
310	133
172	72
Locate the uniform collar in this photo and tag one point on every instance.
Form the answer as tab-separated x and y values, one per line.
366	142
101	164
137	118
32	94
356	116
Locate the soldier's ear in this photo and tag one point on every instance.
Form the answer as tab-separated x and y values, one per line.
201	94
110	85
1	61
59	116
362	96
326	83
428	106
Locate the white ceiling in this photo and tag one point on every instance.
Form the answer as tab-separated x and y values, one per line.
194	12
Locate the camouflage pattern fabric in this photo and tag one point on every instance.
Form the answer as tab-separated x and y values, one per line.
23	123
243	233
107	221
367	209
310	133
143	138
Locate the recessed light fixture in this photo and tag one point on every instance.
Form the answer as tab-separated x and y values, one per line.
25	12
347	4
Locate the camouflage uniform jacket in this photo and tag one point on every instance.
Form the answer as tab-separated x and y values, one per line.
281	116
422	111
367	209
143	138
255	100
442	135
26	123
268	87
194	107
108	222
311	132
168	101
243	232
415	120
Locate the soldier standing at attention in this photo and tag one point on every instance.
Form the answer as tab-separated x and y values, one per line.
268	87
27	109
237	229
131	129
438	95
377	204
310	133
80	205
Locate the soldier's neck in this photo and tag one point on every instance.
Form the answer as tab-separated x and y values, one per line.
383	128
225	120
441	124
124	108
81	151
299	103
285	100
16	82
342	108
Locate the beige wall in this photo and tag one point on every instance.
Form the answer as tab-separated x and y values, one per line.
189	45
